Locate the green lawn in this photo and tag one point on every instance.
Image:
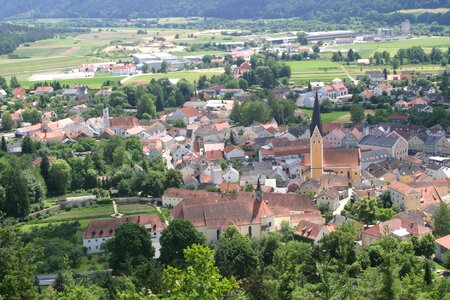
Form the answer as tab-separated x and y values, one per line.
92	82
85	215
367	49
188	75
335	116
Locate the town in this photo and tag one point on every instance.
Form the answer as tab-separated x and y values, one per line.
234	171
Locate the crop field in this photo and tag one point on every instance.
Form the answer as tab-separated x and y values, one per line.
367	49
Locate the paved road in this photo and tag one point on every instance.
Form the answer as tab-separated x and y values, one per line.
343	202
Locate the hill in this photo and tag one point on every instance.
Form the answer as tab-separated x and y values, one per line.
326	10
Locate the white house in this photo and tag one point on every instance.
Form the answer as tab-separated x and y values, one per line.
233	152
99	231
231	175
187	114
3	94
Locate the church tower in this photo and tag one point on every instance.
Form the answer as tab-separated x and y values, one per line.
105	118
259	193
316	142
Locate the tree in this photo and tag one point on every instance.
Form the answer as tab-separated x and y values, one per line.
426	246
364	210
32	116
179	235
17	201
13	82
27	145
17	265
7	122
44	168
120	156
174	179
59	173
3	146
148	276
357	114
302	38
164	67
235	115
254	111
130	247
179	123
146	105
234	254
442	220
153	184
200	279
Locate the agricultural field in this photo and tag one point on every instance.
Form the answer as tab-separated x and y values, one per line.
367	49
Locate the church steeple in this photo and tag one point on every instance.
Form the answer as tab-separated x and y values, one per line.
315	120
258	190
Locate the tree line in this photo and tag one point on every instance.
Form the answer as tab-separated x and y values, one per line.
279	265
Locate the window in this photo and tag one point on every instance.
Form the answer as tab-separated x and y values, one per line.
270	224
218	233
250	231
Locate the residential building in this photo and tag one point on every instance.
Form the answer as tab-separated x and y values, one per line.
99	231
404	195
395	227
442	247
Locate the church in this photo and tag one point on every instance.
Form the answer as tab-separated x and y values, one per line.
321	161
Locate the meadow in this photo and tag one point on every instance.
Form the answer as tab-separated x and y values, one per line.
191	76
367	49
335	116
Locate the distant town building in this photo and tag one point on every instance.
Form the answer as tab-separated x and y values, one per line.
406	27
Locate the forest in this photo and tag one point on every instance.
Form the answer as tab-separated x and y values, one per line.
329	10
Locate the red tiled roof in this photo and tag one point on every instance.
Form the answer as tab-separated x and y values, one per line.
402	188
107	228
444	241
395	224
214	155
190	111
308	230
126	122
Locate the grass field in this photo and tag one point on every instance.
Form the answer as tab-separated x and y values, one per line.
93	83
190	76
335	116
86	214
315	70
367	49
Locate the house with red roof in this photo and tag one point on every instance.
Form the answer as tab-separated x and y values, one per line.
254	213
312	232
41	90
442	246
99	231
395	227
233	152
188	114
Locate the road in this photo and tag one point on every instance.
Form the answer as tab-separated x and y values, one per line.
343	202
